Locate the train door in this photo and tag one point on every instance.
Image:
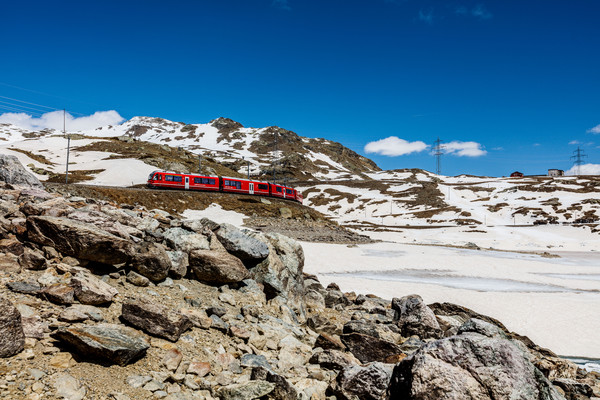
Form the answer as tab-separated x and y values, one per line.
187	182
251	188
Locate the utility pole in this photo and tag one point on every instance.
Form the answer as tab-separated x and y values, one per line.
437	152
248	163
200	163
578	156
68	144
275	158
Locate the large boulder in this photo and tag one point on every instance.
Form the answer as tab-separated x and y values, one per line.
184	240
470	366
13	172
368	382
369	348
80	240
415	318
104	343
12	338
155	319
152	261
241	245
91	290
217	267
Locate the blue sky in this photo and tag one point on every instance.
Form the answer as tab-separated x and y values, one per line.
518	79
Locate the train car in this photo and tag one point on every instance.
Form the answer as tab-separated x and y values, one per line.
299	197
173	180
277	190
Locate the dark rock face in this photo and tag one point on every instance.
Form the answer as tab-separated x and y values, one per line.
326	341
152	261
469	366
155	319
241	245
12	338
80	240
283	389
59	293
415	318
12	172
104	343
31	288
333	359
368	348
217	267
33	259
449	309
366	383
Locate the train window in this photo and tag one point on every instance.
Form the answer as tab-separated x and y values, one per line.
156	177
211	181
262	186
197	180
278	189
234	184
289	191
169	178
177	179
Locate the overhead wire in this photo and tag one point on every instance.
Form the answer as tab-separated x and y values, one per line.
13	109
40	108
36	109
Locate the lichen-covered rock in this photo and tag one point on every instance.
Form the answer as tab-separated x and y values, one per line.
240	244
217	267
184	240
179	264
246	391
12	338
470	366
152	261
368	382
13	172
114	344
415	318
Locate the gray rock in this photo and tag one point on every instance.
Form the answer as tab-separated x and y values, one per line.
137	381
333	359
59	293
183	240
217	267
283	389
69	388
91	290
79	313
80	240
31	288
219	324
241	245
155	319
253	360
415	318
136	279
13	173
368	382
105	343
34	327
179	264
334	297
246	391
369	348
12	338
152	261
470	366
483	328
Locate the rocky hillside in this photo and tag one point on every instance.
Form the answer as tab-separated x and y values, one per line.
101	300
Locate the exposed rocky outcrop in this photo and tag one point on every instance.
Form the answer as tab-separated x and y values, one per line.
12	338
155	319
13	173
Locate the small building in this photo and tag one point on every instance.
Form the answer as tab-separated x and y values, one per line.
516	174
556	172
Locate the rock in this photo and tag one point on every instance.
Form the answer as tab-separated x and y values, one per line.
179	264
333	359
33	259
90	290
199	368
415	318
108	343
368	348
79	313
481	327
31	288
334	297
137	381
283	389
12	245
80	240
69	388
368	382
285	213
13	173
216	310
311	388
470	366
152	261
218	324
185	241
155	319
241	245
326	342
246	391
62	361
449	309
34	326
172	359
574	390
12	338
10	263
253	360
136	279
314	300
59	293
217	268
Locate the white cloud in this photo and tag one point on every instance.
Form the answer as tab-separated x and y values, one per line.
54	120
394	146
585	169
464	149
595	130
574	142
479	11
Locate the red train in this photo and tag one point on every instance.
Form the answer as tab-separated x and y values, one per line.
173	180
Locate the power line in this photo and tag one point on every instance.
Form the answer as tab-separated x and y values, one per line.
578	156
437	152
36	109
33	104
13	109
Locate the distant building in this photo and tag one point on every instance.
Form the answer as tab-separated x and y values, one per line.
556	172
516	174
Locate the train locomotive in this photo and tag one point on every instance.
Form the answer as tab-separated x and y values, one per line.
173	180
